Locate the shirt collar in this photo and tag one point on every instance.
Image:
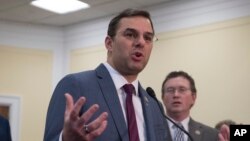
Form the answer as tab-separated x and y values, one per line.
118	79
183	122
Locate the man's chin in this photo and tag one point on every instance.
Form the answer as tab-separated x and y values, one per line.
137	68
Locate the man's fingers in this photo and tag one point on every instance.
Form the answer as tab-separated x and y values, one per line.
221	138
78	105
97	127
99	130
98	123
72	110
87	115
224	134
74	115
77	126
69	104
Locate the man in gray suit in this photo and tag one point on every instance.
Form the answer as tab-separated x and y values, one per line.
179	95
99	112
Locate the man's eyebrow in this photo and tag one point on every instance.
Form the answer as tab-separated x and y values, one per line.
131	29
150	33
134	30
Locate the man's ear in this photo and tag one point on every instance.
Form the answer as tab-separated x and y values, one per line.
193	98
108	43
194	95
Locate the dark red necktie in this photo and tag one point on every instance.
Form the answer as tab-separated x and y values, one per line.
131	119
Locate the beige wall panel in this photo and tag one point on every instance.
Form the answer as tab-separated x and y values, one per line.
87	58
27	73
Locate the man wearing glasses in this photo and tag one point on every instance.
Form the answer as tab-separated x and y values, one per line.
179	95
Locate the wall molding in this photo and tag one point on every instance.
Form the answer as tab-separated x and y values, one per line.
170	16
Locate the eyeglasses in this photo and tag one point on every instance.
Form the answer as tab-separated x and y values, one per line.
180	90
134	35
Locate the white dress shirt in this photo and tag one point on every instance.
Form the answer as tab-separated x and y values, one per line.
119	82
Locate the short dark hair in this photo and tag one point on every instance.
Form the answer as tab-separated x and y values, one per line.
113	25
175	74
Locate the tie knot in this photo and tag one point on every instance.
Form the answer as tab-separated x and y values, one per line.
179	124
129	88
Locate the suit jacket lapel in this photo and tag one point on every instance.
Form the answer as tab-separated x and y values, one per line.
195	130
145	100
169	137
112	100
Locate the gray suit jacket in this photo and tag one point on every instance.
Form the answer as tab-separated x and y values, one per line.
98	88
199	132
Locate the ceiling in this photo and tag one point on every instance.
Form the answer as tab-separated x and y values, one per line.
22	11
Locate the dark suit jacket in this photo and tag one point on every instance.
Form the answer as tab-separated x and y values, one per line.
5	134
199	132
97	86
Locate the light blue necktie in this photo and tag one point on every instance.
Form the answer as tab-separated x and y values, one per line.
178	134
